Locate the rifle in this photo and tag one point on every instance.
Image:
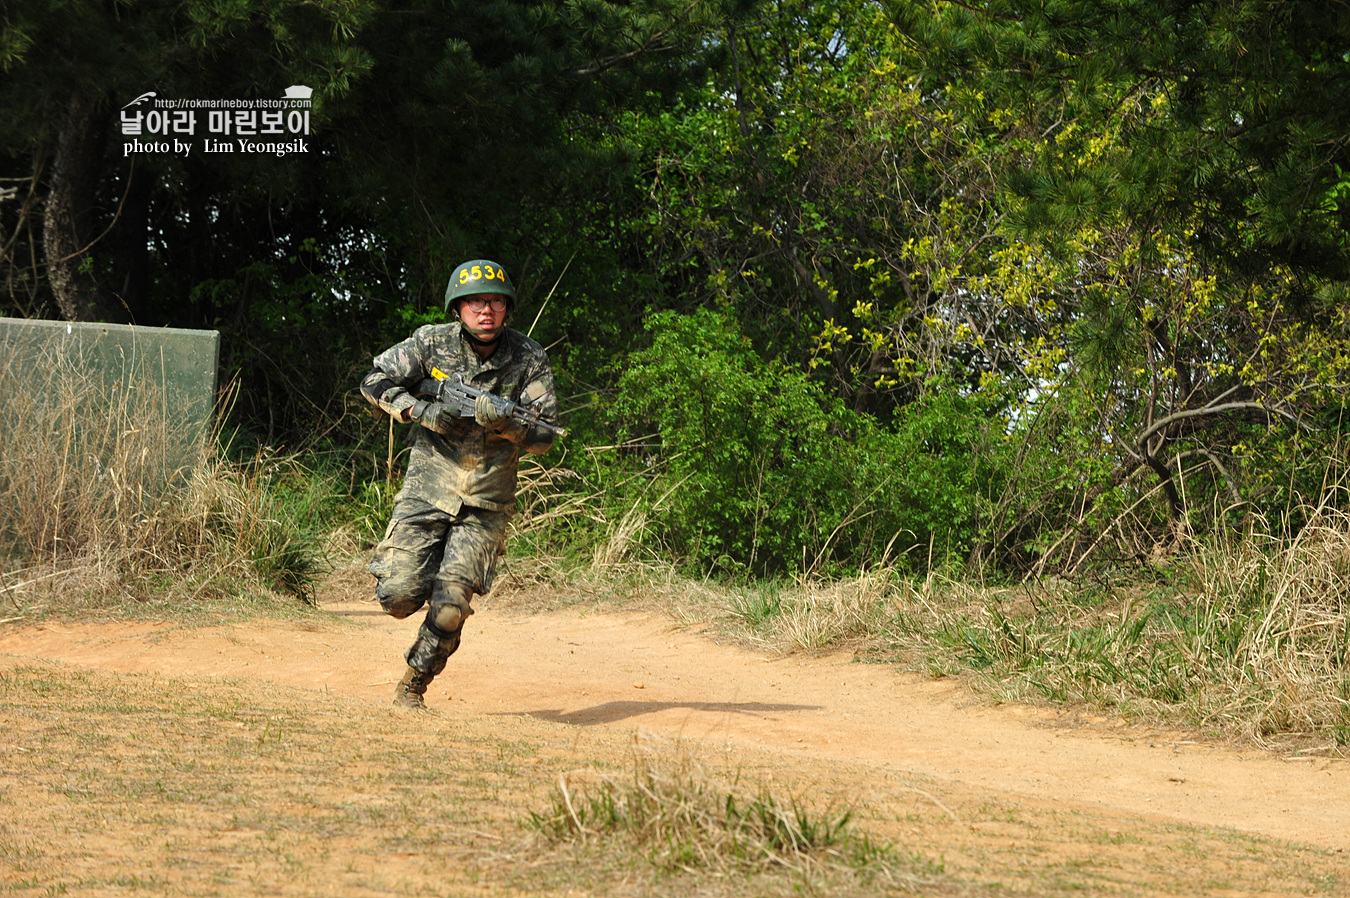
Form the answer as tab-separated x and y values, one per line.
454	392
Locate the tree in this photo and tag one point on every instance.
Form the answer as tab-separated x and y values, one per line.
70	66
434	127
1126	248
1183	175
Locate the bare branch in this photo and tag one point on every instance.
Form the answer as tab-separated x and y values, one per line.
1214	460
1220	409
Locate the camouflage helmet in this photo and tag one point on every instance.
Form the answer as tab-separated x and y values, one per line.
479	276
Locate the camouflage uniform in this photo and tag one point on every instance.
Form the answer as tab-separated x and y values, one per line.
448	525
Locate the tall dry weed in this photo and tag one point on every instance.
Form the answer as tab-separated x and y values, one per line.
111	496
82	455
816	613
1270	620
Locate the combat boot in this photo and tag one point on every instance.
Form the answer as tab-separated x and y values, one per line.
409	691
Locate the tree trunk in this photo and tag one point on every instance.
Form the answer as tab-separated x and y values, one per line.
130	246
67	227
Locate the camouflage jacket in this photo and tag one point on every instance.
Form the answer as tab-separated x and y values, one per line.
468	465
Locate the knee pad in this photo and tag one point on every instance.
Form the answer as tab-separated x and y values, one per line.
448	608
445	618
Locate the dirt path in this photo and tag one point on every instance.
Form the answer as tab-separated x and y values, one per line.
624	672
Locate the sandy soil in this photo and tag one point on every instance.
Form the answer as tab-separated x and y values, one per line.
622	672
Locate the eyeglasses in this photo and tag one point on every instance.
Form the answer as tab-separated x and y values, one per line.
476	305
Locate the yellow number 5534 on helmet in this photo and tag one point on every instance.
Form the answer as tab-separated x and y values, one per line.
479	276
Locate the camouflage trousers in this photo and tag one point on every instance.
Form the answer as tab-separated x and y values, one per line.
441	560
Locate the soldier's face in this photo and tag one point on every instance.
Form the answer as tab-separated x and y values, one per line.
483	313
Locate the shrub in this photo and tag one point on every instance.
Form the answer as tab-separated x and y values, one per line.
746	464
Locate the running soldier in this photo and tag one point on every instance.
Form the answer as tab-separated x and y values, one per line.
448	525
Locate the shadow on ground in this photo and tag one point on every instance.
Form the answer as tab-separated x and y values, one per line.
612	712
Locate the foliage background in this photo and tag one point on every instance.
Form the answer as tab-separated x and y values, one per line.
1009	289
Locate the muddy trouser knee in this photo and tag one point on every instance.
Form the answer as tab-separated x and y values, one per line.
438	637
406	560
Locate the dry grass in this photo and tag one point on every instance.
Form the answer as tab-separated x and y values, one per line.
197	786
109	506
1246	635
1270	614
111	503
680	817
